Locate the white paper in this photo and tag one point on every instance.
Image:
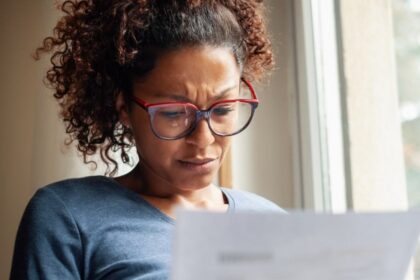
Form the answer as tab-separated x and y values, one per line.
297	246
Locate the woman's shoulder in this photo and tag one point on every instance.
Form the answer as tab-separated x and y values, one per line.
248	201
79	194
85	185
79	182
78	188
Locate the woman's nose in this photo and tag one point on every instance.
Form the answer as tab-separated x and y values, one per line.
201	136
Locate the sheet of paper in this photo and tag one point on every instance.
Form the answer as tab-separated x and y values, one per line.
297	246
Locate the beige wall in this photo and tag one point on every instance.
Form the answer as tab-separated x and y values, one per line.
20	30
263	153
32	137
374	133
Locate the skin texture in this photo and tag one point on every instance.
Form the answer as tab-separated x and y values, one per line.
172	173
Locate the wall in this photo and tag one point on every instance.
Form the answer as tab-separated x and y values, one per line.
369	84
20	29
262	154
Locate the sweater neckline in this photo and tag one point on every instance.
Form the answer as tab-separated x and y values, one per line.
156	211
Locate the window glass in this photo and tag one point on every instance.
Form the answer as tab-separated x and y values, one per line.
407	46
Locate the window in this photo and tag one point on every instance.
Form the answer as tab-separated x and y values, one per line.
348	72
406	15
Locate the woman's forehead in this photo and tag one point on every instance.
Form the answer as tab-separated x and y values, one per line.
200	65
193	69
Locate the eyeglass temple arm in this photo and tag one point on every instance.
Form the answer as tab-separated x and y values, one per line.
139	102
254	95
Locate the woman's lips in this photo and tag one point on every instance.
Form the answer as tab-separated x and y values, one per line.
199	165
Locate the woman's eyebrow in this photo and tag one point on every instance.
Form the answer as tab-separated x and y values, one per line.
175	97
222	93
179	97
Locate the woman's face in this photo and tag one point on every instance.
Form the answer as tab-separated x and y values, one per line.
201	76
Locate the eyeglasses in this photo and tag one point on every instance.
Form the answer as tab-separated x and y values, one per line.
175	120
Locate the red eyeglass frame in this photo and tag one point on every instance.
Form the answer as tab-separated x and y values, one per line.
150	109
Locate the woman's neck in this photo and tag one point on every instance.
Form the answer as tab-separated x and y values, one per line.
166	197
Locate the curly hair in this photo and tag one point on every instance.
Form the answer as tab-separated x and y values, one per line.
99	46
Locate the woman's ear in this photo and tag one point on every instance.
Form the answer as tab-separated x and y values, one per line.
123	110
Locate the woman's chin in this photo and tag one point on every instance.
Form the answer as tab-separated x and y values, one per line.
194	184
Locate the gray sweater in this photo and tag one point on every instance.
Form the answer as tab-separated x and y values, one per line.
93	228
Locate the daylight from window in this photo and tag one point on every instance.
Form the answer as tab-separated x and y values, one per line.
407	46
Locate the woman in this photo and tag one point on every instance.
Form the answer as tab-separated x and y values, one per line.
168	77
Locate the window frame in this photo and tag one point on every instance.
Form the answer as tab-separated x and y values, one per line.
321	180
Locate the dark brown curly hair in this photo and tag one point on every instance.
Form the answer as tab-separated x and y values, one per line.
99	46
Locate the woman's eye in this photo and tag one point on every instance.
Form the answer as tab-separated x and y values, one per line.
172	114
222	111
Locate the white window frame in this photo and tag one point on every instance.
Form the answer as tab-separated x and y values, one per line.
320	177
